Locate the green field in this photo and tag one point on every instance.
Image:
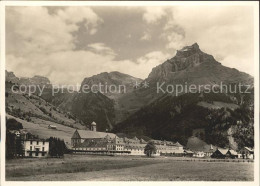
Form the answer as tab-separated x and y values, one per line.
123	168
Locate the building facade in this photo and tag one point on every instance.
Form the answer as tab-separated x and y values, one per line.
36	148
93	142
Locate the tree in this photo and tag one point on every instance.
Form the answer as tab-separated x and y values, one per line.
12	124
19	147
10	150
150	149
57	147
14	146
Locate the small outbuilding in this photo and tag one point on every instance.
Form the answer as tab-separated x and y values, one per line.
52	127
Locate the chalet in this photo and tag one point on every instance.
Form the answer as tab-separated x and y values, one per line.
220	153
247	153
231	154
225	153
36	148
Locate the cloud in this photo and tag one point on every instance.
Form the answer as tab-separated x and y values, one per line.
220	31
146	36
35	30
101	48
175	40
242	64
71	67
153	14
44	43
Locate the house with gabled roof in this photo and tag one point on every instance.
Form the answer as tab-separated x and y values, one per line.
220	153
224	153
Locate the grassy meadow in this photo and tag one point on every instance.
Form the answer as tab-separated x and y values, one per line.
126	168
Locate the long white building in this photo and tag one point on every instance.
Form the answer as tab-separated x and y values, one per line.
93	142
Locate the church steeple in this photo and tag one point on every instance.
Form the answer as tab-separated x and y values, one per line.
93	126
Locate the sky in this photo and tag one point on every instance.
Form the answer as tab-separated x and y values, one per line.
67	44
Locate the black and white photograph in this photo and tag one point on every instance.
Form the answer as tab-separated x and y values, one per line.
131	92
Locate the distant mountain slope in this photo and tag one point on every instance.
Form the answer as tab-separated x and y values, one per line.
86	107
112	78
70	109
39	127
28	108
175	118
190	66
35	80
193	66
120	85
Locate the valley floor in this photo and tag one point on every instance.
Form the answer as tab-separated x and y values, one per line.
123	168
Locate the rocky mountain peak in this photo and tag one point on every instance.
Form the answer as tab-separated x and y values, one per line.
35	80
10	77
111	78
186	58
188	50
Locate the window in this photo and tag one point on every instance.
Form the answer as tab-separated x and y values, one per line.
37	142
42	148
43	142
31	142
37	152
31	148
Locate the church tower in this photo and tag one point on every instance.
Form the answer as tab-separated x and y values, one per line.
93	126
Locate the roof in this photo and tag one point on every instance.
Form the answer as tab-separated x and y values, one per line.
188	151
128	140
52	125
232	152
142	141
157	142
247	148
178	144
93	123
223	151
119	140
94	143
87	134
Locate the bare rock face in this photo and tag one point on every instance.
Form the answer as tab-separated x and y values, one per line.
10	77
192	65
112	78
35	80
187	57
